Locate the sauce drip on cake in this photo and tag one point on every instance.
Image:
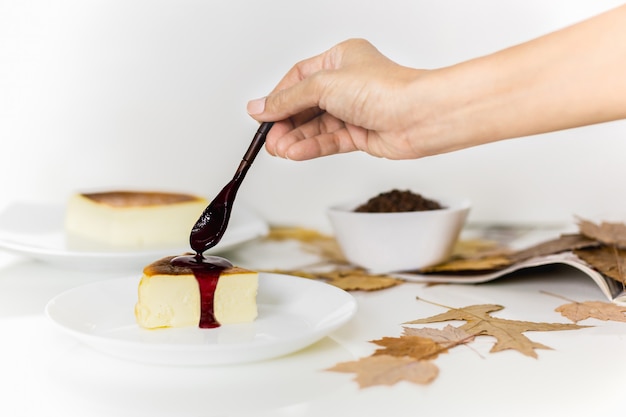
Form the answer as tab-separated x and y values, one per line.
187	290
207	271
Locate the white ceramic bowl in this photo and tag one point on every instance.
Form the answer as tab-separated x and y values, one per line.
391	242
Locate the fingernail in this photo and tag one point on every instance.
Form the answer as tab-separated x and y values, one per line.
256	106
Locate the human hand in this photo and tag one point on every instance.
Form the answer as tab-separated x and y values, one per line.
351	97
348	98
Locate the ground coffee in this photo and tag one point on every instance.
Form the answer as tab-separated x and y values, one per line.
395	201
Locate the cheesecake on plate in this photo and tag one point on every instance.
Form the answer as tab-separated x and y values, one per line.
170	295
131	219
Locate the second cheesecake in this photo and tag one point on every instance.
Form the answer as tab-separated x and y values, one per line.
131	219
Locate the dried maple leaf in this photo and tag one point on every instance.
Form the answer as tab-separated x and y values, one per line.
388	370
348	279
508	333
278	233
606	232
358	279
416	347
561	244
607	260
459	265
477	248
472	255
592	309
447	337
495	260
311	241
326	248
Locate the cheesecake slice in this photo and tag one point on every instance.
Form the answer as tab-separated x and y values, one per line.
171	295
131	219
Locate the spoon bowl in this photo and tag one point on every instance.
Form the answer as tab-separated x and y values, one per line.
212	224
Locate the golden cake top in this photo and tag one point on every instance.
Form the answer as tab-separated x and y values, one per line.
163	266
140	198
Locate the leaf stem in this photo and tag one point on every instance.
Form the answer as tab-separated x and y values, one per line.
562	297
417	297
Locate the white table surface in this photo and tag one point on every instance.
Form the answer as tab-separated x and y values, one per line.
44	372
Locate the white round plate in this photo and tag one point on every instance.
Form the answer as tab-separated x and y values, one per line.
37	231
293	313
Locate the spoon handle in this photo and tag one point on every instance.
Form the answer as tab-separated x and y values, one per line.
255	146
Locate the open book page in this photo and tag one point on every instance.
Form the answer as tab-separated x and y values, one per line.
519	239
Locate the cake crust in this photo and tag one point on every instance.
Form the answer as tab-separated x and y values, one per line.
139	198
164	266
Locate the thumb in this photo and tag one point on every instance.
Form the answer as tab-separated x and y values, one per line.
256	107
282	104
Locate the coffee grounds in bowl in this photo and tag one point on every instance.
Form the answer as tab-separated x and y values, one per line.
396	201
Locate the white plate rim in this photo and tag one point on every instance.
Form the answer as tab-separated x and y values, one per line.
203	354
244	226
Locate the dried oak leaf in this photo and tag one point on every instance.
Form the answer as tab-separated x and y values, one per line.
348	279
472	255
605	232
327	249
477	248
358	279
494	260
592	309
607	260
508	333
416	347
278	233
447	337
388	370
310	241
488	263
563	243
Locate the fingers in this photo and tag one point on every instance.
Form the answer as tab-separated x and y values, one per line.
324	135
321	145
301	71
304	128
293	94
290	147
275	137
288	102
301	88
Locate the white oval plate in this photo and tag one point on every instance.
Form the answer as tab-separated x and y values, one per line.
37	231
293	313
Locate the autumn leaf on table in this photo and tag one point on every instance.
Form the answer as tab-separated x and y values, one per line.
302	234
388	370
498	258
459	265
508	333
310	241
416	347
600	310
358	279
477	248
348	279
605	232
447	337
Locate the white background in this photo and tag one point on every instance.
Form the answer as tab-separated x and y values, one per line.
151	94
